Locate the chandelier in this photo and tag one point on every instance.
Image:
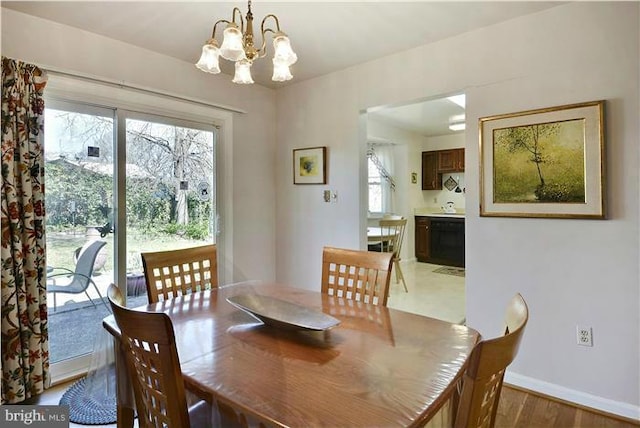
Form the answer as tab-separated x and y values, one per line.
238	46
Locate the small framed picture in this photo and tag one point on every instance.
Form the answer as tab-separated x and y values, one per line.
544	163
310	166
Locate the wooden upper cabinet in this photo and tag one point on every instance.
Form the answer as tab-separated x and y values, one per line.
451	160
436	162
431	179
461	160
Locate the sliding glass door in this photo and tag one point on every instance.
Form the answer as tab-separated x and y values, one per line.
169	187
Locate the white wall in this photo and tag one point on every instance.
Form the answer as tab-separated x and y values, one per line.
250	182
569	271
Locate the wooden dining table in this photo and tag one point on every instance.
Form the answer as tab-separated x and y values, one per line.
377	367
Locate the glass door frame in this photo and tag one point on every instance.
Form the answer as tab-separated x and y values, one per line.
120	214
64	367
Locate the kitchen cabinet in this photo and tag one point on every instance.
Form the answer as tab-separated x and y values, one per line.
451	160
440	240
435	163
423	238
431	179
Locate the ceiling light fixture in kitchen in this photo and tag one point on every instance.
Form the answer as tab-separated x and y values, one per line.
238	46
457	122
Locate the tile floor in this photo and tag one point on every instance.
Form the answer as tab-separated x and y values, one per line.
432	294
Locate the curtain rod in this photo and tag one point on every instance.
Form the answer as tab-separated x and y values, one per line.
121	84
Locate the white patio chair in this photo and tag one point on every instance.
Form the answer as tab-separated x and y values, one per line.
80	279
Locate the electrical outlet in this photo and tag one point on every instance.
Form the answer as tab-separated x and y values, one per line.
326	195
584	336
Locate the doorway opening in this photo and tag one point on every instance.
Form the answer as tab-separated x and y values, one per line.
400	134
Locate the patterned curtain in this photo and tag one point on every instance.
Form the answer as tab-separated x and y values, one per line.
25	339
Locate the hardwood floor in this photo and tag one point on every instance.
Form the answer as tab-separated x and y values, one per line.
519	408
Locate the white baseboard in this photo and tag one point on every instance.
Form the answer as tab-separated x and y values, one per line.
592	401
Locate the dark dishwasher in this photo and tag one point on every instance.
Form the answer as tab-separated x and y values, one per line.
447	241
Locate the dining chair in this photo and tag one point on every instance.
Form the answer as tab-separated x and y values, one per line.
357	275
80	278
393	231
482	380
176	272
154	368
376	245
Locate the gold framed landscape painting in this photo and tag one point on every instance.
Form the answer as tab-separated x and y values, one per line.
544	163
309	166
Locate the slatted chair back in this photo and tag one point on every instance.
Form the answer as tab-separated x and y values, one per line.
482	381
357	275
173	273
394	230
153	364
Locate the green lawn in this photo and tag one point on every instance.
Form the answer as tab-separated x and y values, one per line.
61	246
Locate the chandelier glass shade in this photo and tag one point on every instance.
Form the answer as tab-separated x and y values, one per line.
281	72
238	46
243	72
209	59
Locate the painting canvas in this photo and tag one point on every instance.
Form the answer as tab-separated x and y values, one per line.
309	166
544	163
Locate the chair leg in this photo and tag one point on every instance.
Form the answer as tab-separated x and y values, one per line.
400	275
90	299
100	296
55	306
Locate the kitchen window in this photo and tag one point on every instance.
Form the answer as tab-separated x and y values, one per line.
380	179
375	189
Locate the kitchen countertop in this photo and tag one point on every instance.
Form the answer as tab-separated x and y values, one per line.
434	212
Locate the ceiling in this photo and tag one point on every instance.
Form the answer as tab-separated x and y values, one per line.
327	36
428	118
